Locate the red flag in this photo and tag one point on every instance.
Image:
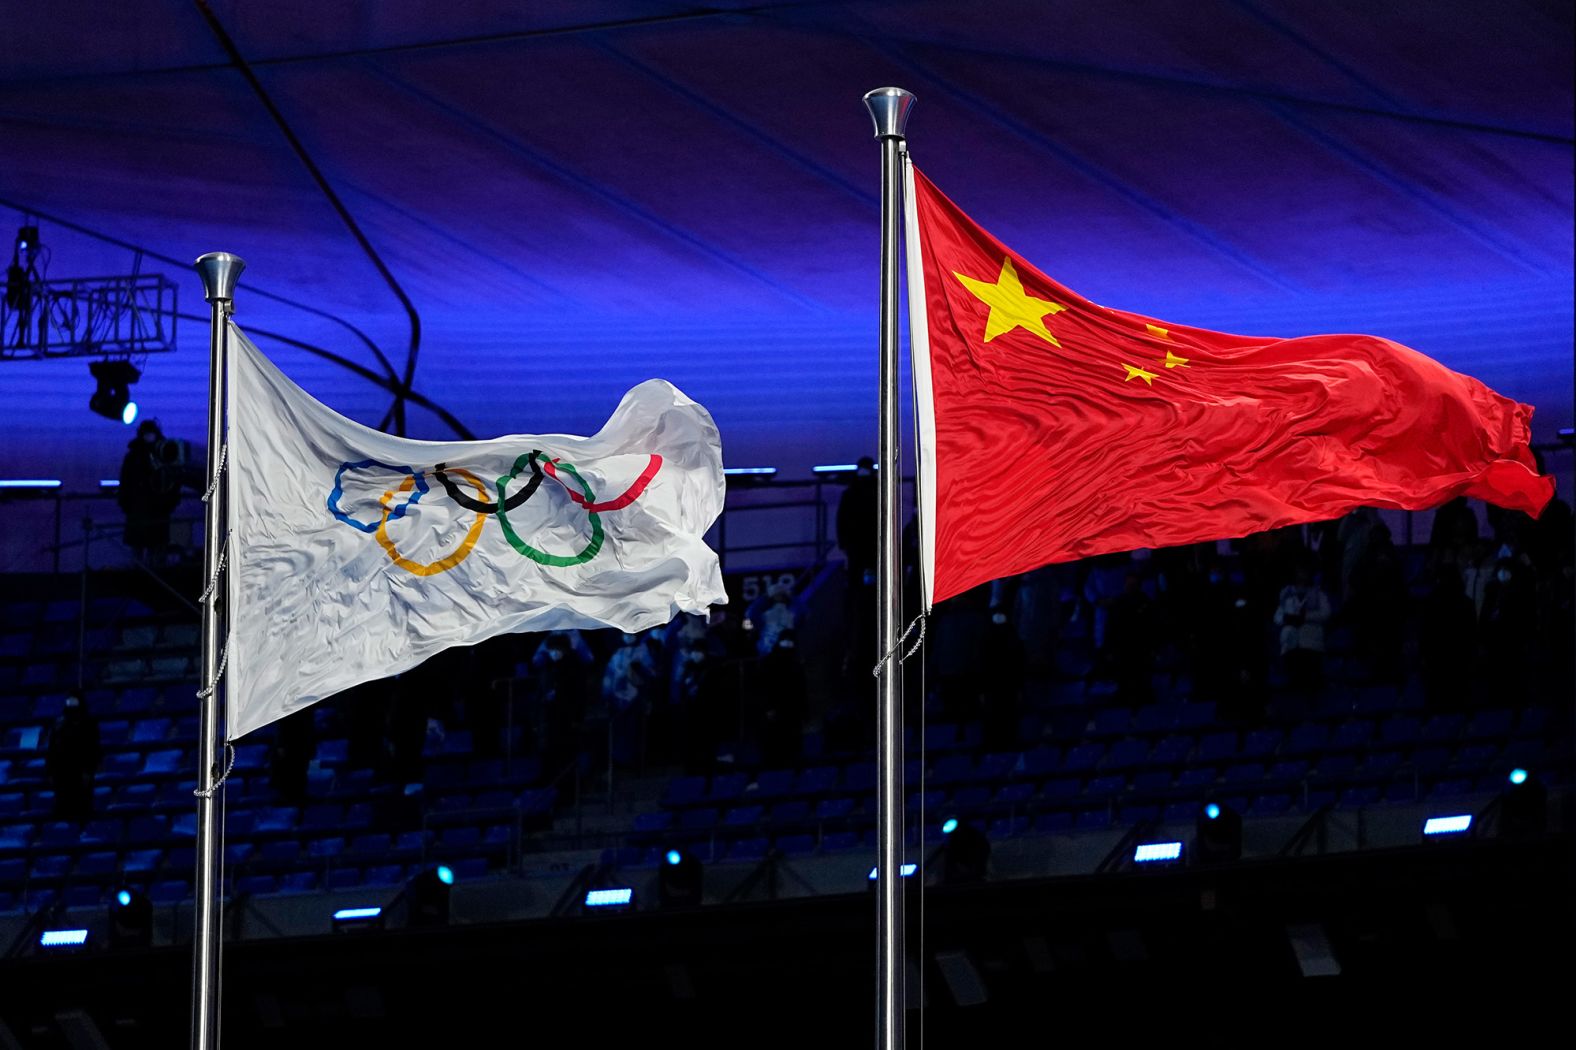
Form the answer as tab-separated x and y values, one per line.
1053	428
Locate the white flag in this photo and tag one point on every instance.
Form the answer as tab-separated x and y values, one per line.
354	555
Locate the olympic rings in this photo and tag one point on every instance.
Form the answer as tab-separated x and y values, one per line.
399	512
539	464
559	561
442	564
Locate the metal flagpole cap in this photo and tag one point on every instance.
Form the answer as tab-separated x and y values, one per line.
889	108
220	272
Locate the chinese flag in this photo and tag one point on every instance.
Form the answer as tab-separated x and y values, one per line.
1052	428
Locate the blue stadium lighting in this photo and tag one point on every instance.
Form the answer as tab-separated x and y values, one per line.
1150	852
109	483
128	415
29	483
123	898
1447	825
763	472
674	856
835	468
355	914
445	874
1518	776
1212	811
950	826
621	895
63	938
907	870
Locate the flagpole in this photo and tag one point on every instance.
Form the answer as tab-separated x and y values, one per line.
220	272
889	108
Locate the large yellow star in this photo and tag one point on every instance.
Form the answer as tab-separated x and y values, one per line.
1010	306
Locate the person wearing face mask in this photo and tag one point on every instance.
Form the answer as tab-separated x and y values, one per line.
150	489
72	760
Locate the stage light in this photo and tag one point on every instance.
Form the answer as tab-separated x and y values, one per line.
1217	835
112	397
130	920
750	472
906	870
109	483
1524	807
1156	852
617	897
427	897
63	939
128	415
26	239
1453	825
29	483
349	919
680	880
965	857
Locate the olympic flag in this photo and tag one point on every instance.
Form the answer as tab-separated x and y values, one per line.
355	555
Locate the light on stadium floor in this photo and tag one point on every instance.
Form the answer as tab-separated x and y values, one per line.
950	826
29	483
746	472
1518	776
348	919
123	898
128	415
1154	852
674	856
445	874
907	870
613	897
1454	825
63	938
1212	812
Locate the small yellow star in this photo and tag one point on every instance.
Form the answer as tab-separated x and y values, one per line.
1010	306
1173	361
1134	372
1156	330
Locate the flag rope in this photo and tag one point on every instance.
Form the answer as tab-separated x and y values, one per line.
918	621
229	764
213	485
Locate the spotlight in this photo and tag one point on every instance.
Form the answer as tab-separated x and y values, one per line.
427	897
1524	807
112	398
966	854
680	880
617	898
26	240
130	920
348	920
906	870
1453	825
63	939
1157	852
1217	835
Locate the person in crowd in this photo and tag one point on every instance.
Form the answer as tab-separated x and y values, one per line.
559	672
784	697
1376	606
627	685
150	489
1301	614
1231	659
72	760
856	524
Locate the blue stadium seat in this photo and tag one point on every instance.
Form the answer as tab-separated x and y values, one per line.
299	882
371	845
60	834
952	769
790	814
1126	754
996	766
1195	716
1092	819
1007	827
100	866
102	831
1059	792
1307	739
1428	760
1053	822
743	817
1138	812
238	853
158	763
652	822
772	784
1153	782
819	780
342	879
1156	718
459	838
750	849
971	800
470	867
1260	743
15	837
141	863
409	844
150	730
255	885
1242	774
272	819
50	869
13	872
325	848
796	845
1179	812
1106	786
1217	747
1443	728
251	758
1357	797
1110	722
940	736
384	875
79	896
859	778
1287	773
1171	751
1474	758
278	854
1083	758
170	891
696	820
1269	805
1040	763
727	788
150	827
840	840
1011	797
1494	724
833	810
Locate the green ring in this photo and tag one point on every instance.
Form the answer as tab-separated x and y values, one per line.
559	561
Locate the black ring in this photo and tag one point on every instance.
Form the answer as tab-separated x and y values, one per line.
514	501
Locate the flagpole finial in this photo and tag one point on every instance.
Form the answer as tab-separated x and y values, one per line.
220	272
889	108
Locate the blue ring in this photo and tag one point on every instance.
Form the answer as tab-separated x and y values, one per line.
397	512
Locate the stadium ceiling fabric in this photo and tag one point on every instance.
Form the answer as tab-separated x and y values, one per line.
578	195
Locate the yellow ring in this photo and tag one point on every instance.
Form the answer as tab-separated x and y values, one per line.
442	564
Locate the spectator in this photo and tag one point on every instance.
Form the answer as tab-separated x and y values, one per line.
559	670
1301	614
776	619
1230	647
856	525
784	698
626	694
150	489
72	761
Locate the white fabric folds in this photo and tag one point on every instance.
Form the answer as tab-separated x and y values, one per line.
354	555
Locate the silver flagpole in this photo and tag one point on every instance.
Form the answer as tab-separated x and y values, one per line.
889	108
220	271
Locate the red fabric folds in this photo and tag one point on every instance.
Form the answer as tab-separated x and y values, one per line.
1129	432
